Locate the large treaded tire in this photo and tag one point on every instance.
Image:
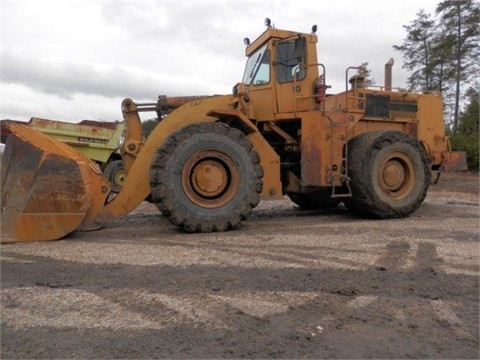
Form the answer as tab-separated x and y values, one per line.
206	177
389	174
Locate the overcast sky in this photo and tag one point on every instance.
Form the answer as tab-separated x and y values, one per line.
74	60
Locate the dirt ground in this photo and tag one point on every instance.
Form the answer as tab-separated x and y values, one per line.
287	284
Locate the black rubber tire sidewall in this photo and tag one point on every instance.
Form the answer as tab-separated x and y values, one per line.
365	153
166	177
111	171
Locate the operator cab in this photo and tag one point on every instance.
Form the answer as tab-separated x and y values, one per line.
279	72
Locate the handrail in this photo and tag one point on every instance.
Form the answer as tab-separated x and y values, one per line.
297	71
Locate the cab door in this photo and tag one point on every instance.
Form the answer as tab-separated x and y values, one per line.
290	74
258	79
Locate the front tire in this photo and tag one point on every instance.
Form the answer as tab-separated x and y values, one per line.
206	177
389	174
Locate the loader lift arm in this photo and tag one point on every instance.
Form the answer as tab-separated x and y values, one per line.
198	110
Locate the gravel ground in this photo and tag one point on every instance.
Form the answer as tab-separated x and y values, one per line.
287	284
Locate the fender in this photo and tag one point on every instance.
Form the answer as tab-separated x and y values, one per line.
269	159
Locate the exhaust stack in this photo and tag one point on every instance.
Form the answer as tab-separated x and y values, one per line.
388	74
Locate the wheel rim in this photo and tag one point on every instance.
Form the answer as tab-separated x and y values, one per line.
119	178
210	178
396	175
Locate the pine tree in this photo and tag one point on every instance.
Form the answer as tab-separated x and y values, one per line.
417	51
461	19
467	136
441	51
443	73
442	54
365	72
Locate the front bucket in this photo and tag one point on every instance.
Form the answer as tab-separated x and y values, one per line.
48	188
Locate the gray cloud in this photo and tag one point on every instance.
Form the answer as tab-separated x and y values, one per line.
66	79
220	26
71	53
60	79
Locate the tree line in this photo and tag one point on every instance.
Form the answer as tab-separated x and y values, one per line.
441	51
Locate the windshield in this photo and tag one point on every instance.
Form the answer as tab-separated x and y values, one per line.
253	64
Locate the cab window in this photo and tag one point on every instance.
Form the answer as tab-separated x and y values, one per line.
290	59
263	73
257	70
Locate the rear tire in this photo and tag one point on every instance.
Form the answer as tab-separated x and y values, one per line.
389	174
206	177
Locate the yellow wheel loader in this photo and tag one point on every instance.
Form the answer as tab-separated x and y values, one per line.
210	161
